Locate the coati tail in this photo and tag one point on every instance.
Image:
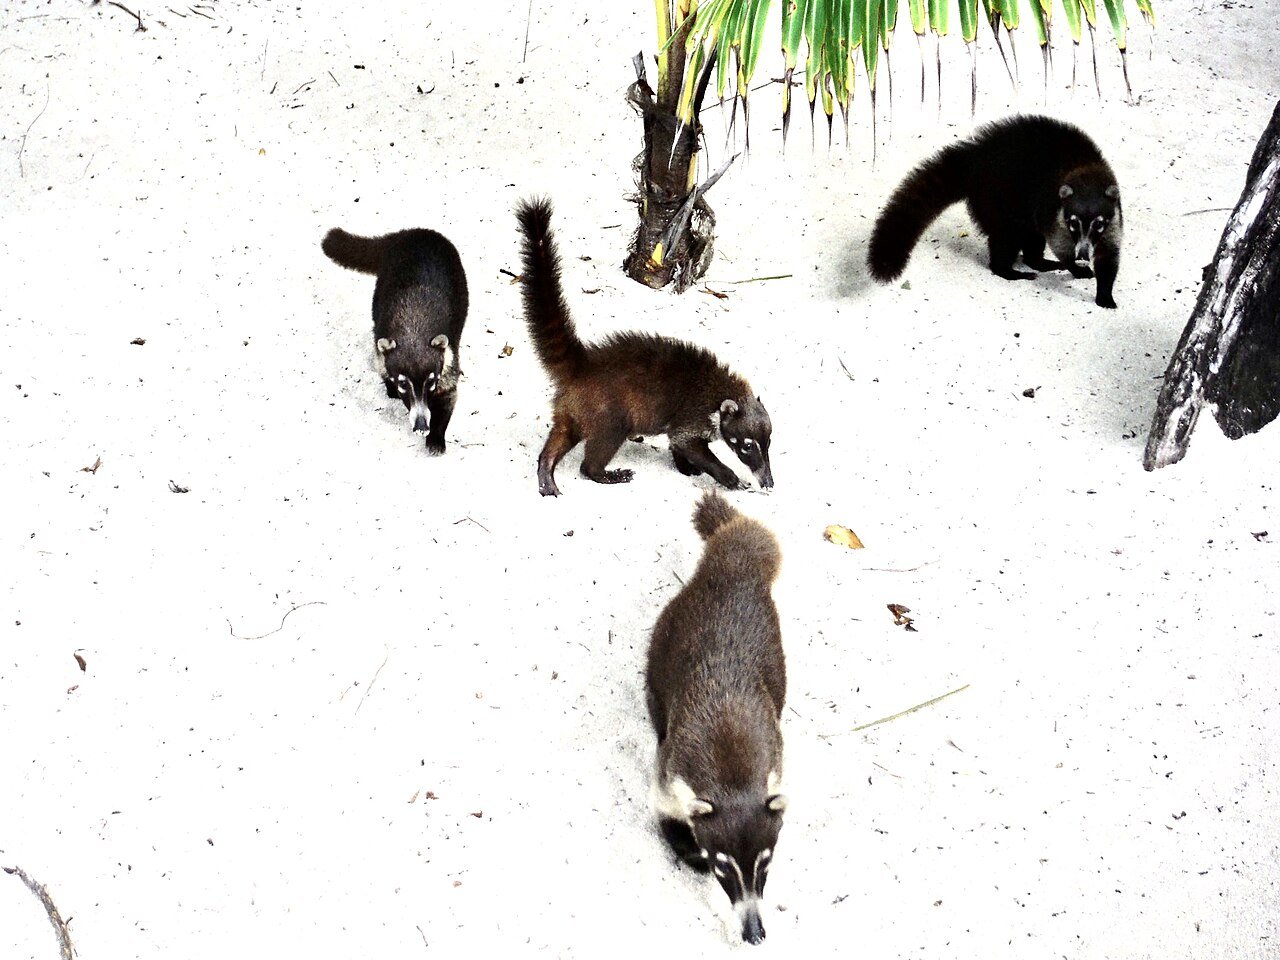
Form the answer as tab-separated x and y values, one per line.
545	311
928	190
712	512
355	253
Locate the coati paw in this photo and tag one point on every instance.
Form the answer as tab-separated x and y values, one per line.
1108	301
1080	272
614	476
435	447
686	466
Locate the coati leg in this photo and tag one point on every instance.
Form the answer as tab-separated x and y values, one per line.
1003	252
697	454
600	448
441	409
679	837
1080	271
1033	254
560	441
1107	266
684	465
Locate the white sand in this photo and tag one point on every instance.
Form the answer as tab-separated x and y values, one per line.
452	749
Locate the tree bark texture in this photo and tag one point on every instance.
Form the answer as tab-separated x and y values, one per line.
665	180
1229	354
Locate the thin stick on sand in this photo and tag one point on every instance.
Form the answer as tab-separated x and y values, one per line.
46	901
910	709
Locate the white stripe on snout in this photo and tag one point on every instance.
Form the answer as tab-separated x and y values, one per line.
419	409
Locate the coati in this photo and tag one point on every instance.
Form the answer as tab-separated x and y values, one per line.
716	683
1027	180
419	308
631	384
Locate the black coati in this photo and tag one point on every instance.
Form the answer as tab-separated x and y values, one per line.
1027	180
631	384
419	308
716	683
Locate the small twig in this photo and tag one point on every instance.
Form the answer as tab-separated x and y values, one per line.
295	93
473	520
263	74
369	685
527	19
903	713
136	16
309	603
898	570
333	78
1192	213
23	145
424	939
59	925
200	13
514	276
843	367
781	276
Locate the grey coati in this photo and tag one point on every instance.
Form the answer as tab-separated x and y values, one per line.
419	308
716	683
1027	180
631	384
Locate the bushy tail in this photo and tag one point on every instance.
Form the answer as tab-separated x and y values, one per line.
713	512
365	254
545	311
928	190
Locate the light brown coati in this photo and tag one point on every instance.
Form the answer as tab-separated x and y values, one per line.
716	682
631	384
419	308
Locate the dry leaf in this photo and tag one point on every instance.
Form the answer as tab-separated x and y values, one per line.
93	469
414	798
842	536
478	814
138	341
80	660
594	290
175	488
900	617
507	350
715	293
73	689
431	795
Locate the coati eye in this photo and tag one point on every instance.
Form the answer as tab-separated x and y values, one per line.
747	442
732	440
1099	224
402	383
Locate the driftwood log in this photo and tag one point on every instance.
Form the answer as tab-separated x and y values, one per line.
1229	354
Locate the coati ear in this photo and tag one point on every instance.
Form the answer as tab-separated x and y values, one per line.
699	808
728	408
440	341
777	803
1112	192
1064	191
385	345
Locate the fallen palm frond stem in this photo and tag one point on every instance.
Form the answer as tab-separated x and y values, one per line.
65	948
909	709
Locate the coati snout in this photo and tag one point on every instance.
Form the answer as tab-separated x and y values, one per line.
746	428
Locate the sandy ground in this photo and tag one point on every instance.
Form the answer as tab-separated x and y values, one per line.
344	700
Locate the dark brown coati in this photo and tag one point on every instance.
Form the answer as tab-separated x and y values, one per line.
631	384
1027	180
716	682
419	308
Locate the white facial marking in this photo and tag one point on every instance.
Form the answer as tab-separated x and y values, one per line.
747	442
672	799
722	857
419	409
774	783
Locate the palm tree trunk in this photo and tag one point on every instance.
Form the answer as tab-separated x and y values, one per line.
666	248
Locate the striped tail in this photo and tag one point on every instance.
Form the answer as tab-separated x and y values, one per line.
928	190
550	325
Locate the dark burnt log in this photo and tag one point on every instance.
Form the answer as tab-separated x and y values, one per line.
1229	354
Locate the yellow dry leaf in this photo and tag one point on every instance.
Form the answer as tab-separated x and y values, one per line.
842	536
